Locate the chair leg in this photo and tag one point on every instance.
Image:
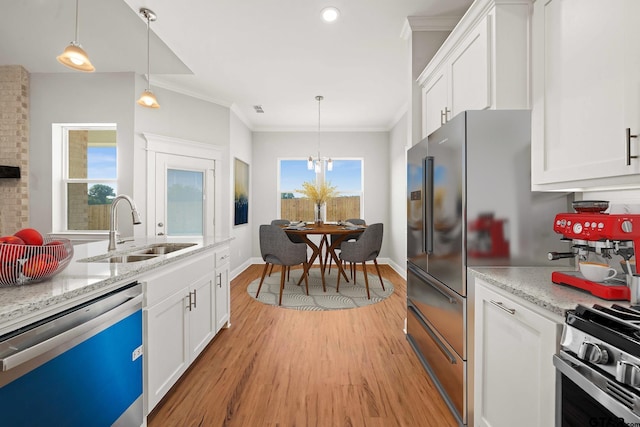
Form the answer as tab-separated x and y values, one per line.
375	262
271	270
282	274
306	276
264	273
366	280
338	283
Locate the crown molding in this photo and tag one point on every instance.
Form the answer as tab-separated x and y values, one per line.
428	23
159	82
236	110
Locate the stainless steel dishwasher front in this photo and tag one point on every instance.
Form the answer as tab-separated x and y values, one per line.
80	367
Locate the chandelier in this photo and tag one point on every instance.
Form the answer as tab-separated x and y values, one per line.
316	163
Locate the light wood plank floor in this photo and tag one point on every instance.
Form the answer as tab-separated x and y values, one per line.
281	367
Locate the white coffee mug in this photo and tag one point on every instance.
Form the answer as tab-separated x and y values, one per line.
597	272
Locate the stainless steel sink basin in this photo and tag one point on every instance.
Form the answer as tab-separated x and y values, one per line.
127	258
163	248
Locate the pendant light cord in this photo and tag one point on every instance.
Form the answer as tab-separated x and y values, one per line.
148	56
77	26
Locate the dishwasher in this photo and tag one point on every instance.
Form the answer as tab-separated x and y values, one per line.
80	367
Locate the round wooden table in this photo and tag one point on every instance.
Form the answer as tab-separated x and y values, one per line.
340	233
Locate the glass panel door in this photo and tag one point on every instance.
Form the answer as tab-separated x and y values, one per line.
184	196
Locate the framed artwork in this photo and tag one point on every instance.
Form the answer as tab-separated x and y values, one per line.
241	192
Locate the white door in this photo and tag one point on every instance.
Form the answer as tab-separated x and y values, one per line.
184	196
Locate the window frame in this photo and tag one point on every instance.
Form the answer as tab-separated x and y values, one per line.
323	175
60	177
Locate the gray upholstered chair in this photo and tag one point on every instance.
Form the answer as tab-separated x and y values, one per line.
292	237
366	248
333	237
277	249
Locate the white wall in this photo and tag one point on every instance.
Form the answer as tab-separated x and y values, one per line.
268	147
182	116
75	98
397	231
111	98
240	147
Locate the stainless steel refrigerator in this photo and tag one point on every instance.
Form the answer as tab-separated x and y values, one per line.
469	203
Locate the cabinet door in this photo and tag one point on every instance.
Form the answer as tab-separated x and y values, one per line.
469	71
435	103
580	88
202	318
167	347
222	297
514	373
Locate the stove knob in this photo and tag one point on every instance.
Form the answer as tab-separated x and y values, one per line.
628	373
593	353
627	226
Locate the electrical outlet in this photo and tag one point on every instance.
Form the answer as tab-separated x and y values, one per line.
136	353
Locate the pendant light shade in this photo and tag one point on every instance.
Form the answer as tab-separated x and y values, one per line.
74	56
147	98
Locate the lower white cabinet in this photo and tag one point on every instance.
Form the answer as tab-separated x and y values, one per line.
179	319
223	300
514	379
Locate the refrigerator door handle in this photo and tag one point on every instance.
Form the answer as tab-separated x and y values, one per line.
428	204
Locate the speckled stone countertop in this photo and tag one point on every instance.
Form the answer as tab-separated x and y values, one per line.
82	280
534	284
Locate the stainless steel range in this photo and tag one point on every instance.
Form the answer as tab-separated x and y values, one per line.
598	367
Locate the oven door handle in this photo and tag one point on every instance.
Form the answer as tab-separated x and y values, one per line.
571	366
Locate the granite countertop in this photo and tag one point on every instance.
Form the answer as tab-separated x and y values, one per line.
82	280
534	284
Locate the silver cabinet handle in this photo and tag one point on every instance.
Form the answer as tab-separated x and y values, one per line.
629	156
442	117
502	307
220	280
446	114
190	302
195	298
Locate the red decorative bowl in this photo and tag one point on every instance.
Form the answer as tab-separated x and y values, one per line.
24	264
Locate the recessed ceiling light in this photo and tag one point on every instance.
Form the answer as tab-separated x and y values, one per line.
330	14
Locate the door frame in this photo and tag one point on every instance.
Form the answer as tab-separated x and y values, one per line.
159	144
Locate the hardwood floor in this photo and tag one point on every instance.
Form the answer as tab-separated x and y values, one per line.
282	367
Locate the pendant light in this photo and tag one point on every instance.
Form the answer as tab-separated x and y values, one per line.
318	162
73	55
148	99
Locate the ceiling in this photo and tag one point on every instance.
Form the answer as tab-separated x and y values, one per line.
239	53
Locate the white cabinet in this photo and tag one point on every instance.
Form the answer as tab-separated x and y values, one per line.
586	94
483	64
180	320
223	301
514	376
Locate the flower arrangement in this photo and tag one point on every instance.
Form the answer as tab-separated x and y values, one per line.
319	193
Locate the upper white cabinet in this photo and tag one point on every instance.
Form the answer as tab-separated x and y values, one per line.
585	94
514	376
483	64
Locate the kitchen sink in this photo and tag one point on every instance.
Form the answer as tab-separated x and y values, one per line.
163	248
127	258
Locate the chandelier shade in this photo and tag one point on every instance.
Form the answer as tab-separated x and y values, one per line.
319	163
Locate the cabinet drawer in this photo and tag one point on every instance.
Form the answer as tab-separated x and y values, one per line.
167	280
222	257
439	358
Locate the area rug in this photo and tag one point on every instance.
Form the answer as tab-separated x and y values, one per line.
295	297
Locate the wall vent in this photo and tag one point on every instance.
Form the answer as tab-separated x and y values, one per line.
258	108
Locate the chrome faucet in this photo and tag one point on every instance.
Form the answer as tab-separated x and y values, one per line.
113	218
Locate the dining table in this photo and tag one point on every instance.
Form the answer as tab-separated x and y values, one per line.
340	232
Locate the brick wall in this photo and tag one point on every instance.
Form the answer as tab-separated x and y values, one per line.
14	147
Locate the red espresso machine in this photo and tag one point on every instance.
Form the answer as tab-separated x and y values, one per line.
593	231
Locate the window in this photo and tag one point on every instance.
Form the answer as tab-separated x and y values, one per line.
346	176
86	158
